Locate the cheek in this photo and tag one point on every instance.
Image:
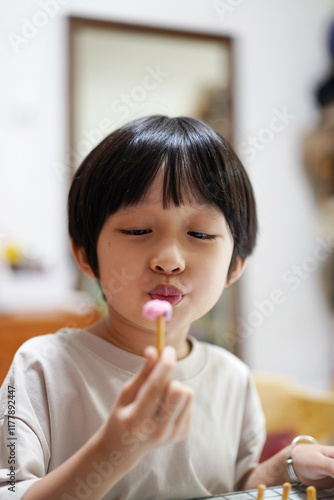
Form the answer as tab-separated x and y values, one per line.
211	283
213	269
116	273
117	280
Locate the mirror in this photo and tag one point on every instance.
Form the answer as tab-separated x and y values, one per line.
119	72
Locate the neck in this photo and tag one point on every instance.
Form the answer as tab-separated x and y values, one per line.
134	340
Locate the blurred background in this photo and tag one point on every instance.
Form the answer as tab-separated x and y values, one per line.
260	72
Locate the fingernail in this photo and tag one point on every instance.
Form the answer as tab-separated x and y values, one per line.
169	353
150	350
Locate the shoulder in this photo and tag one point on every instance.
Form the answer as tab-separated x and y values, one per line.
40	365
228	374
219	358
42	353
216	366
43	346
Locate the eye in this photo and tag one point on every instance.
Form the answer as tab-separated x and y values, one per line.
201	236
136	232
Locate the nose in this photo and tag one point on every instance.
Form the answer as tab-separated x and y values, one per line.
168	260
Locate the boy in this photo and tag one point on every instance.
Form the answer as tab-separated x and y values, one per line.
165	204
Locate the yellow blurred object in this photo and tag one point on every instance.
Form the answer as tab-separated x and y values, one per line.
13	254
291	408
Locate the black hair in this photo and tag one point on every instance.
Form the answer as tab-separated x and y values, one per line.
197	163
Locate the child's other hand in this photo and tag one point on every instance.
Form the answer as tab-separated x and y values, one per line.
314	464
152	408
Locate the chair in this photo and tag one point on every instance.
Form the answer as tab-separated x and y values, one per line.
19	327
291	410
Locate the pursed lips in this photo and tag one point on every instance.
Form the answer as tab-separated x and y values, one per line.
167	292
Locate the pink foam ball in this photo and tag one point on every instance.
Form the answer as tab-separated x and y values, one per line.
154	308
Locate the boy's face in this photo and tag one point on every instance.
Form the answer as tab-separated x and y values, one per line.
180	254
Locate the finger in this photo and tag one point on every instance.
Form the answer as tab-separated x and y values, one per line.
151	392
183	416
328	451
183	423
151	354
327	466
132	386
172	401
173	415
315	465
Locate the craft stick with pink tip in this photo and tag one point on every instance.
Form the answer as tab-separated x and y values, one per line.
161	311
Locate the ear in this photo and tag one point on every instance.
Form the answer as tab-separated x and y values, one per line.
81	259
237	270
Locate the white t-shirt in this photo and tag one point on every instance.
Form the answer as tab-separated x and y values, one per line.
65	384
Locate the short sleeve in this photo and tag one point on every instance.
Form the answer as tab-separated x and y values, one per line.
253	434
24	450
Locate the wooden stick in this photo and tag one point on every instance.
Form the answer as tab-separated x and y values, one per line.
311	493
160	333
286	491
260	491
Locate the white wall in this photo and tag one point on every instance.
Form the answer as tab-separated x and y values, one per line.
280	57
